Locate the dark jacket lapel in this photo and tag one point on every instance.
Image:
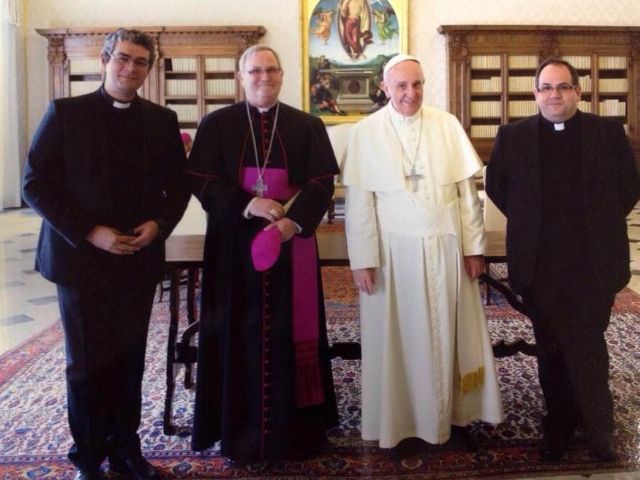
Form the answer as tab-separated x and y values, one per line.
102	148
589	141
147	123
531	138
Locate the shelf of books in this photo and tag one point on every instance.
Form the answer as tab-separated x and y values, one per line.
582	63
195	86
520	73
221	86
194	73
485	108
487	96
179	90
485	75
491	71
84	76
610	95
613	87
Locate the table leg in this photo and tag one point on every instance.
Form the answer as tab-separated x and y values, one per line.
174	314
502	348
192	315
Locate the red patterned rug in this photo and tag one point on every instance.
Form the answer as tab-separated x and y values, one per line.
34	435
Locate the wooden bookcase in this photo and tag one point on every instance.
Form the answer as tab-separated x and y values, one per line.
491	73
194	72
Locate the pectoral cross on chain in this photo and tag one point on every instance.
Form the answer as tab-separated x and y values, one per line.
414	178
260	187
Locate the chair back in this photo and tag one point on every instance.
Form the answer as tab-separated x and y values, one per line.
494	219
339	137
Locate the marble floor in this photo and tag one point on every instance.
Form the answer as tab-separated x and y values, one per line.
28	303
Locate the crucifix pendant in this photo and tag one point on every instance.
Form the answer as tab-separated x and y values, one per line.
414	178
260	187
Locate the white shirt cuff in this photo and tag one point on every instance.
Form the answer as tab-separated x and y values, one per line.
246	213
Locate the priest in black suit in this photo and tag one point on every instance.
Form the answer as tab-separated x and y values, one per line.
566	181
106	173
264	384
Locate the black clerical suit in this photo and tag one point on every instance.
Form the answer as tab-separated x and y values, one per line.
245	393
93	164
566	193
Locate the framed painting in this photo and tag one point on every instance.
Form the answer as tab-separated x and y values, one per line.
345	46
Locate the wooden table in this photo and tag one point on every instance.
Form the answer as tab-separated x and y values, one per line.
496	252
185	252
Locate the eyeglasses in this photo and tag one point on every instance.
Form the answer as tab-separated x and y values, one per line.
124	59
257	71
547	89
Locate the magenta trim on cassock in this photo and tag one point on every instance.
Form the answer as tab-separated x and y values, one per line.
304	269
275	178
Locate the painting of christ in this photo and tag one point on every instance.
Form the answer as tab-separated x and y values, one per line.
346	44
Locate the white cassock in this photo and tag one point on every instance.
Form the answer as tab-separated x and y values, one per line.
427	361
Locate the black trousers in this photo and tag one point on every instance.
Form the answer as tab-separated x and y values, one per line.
569	321
105	324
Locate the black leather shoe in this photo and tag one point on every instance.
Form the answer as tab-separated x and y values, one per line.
553	447
235	462
603	450
409	447
88	475
135	467
462	435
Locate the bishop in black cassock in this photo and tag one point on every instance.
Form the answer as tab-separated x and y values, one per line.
261	389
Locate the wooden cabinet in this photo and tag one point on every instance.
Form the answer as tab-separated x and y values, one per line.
491	74
194	72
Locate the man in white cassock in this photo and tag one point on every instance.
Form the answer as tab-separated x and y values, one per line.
416	242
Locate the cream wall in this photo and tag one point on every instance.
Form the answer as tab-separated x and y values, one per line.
13	100
281	18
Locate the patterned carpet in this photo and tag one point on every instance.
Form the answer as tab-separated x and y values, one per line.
34	434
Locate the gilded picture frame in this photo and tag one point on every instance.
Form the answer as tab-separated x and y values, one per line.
345	45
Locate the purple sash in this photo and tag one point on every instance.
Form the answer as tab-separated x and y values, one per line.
304	271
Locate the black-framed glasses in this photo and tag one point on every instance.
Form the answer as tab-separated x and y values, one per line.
124	59
561	88
257	71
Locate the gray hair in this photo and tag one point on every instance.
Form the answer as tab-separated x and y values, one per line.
255	49
134	36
